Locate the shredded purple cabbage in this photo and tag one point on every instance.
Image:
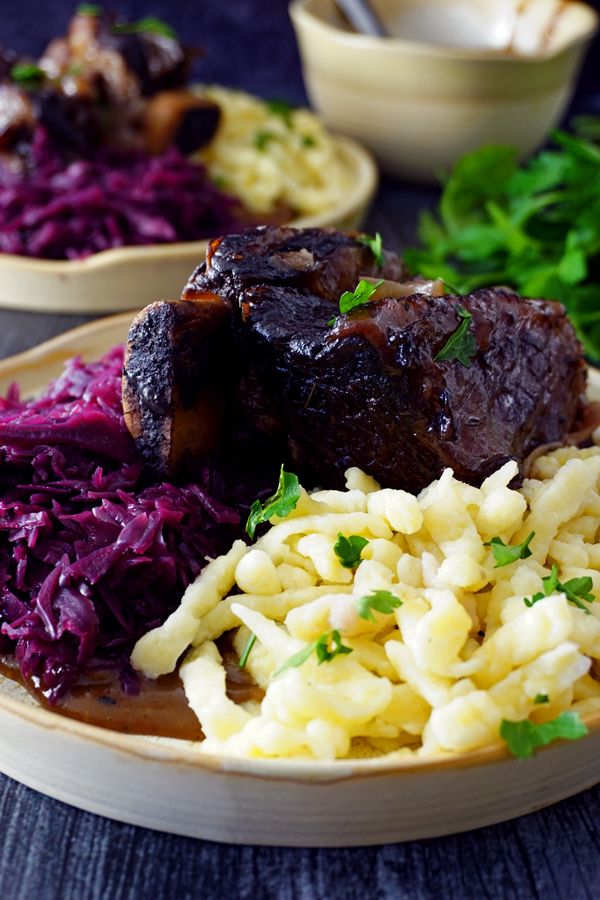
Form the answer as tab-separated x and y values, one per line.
115	199
91	557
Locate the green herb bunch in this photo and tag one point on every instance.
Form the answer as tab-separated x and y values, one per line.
535	228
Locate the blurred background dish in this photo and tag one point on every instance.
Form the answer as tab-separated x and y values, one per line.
131	277
453	76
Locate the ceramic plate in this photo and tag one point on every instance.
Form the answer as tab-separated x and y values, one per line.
167	785
132	277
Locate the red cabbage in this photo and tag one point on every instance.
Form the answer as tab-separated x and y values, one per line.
115	198
91	555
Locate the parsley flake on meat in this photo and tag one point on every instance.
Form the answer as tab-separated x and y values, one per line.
281	504
351	299
541	698
505	554
460	345
523	737
576	589
321	648
348	550
375	245
380	601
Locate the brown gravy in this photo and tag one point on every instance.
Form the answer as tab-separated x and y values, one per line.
160	708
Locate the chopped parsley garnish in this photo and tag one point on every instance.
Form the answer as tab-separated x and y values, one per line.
348	550
262	138
375	246
27	75
321	648
281	504
576	589
505	554
350	299
380	601
150	24
523	737
460	345
89	9
247	649
308	141
541	698
281	108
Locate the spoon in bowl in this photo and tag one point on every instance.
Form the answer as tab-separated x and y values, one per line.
362	17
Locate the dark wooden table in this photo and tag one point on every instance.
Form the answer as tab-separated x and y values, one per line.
50	851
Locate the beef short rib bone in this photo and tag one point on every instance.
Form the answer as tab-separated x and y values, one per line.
367	391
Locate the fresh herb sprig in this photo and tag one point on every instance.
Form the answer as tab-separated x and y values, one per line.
576	589
351	299
380	601
523	737
281	504
535	227
246	653
460	345
321	647
505	554
375	245
348	550
150	24
27	75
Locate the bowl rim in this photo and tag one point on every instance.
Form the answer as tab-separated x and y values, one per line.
365	182
302	17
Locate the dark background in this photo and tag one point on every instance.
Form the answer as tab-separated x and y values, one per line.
49	851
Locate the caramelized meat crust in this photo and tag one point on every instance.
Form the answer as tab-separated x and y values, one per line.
366	391
369	393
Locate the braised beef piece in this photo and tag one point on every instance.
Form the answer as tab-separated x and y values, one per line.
367	391
323	260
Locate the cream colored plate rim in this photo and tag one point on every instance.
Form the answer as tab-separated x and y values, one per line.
364	186
93	339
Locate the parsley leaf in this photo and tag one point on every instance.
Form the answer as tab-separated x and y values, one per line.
281	108
348	550
351	299
262	138
576	589
246	653
321	647
381	601
541	698
460	345
523	737
281	504
534	227
504	554
89	9
375	246
150	24
27	75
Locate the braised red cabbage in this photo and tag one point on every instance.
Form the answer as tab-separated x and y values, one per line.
112	199
91	556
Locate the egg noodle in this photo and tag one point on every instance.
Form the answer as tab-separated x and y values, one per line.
464	642
270	155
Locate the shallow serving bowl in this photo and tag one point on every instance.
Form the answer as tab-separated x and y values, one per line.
169	786
132	277
456	75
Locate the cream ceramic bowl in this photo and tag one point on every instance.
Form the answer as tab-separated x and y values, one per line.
463	73
132	277
169	786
